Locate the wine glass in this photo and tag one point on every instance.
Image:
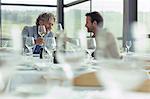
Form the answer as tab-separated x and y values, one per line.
59	29
116	76
41	30
128	45
29	43
71	54
8	62
50	43
50	47
91	46
5	43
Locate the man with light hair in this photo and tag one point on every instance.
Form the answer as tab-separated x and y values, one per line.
45	20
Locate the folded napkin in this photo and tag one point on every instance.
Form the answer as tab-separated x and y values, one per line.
87	79
144	87
147	67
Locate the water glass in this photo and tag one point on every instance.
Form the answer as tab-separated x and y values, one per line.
29	43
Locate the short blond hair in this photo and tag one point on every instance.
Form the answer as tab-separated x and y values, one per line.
45	17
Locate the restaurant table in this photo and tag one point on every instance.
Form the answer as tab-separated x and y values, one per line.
39	79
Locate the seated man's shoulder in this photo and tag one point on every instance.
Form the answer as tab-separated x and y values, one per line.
25	27
110	35
29	27
51	34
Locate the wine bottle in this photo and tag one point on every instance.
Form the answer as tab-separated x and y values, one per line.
41	53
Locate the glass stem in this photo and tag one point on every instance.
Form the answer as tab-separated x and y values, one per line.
128	49
30	50
90	56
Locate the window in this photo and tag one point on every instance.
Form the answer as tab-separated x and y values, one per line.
112	12
144	22
144	13
20	16
75	18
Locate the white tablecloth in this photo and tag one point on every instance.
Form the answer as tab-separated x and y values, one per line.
31	77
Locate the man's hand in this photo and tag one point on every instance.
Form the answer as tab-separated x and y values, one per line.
39	41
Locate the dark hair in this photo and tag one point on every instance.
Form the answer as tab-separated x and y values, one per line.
95	16
44	17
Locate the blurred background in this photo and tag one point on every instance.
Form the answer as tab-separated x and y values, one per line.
21	13
118	15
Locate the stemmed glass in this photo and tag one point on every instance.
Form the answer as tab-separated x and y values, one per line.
71	54
5	43
59	29
41	30
128	45
116	76
50	46
29	43
50	43
91	46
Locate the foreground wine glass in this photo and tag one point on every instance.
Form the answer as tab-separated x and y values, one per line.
8	63
50	47
119	76
71	54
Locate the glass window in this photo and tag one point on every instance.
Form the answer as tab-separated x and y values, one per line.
74	20
51	2
112	12
144	13
20	16
144	28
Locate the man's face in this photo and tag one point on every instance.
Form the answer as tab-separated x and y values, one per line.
89	24
49	24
